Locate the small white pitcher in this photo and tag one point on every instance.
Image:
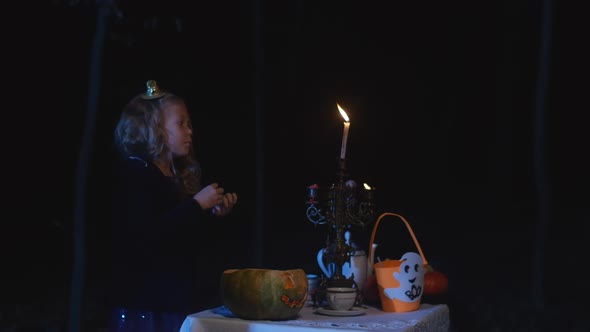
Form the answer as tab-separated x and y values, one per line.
358	265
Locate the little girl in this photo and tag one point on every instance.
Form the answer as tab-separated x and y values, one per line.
158	205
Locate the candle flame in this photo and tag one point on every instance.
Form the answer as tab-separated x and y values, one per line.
367	186
346	119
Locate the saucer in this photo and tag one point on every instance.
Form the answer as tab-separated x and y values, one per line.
354	311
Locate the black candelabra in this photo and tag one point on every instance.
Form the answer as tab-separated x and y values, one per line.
346	205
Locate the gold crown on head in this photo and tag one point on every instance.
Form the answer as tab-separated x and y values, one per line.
153	91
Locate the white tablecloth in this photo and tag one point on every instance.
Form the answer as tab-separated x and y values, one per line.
428	318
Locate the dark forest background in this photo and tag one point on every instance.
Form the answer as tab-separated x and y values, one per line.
458	118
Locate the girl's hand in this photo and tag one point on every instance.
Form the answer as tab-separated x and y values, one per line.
210	196
223	209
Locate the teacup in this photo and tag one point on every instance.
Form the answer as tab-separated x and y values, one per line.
341	298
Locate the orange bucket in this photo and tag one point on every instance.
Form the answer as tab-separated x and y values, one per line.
400	282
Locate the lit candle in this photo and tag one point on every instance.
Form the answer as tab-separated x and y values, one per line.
345	133
369	192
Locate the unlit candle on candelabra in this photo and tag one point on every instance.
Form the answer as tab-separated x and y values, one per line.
345	133
312	195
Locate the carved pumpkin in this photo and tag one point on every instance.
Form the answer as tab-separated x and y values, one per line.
264	294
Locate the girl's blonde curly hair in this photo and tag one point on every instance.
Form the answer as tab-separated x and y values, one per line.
140	133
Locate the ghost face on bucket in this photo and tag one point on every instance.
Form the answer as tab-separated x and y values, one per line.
410	277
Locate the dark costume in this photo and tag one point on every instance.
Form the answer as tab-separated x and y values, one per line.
155	238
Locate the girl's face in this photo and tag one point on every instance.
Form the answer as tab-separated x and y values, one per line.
178	128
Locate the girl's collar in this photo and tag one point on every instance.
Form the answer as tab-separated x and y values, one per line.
170	173
166	169
145	163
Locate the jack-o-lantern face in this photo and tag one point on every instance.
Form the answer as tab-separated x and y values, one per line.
294	295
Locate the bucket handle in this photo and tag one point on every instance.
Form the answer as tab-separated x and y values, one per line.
372	249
